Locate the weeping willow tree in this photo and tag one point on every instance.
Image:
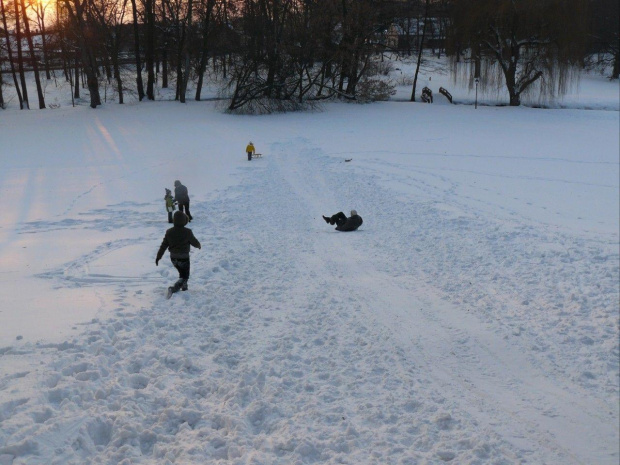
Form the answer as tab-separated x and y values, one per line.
520	44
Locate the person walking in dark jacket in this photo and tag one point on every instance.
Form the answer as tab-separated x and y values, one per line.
343	223
182	197
178	239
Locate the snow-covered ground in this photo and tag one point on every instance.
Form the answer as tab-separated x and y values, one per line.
472	319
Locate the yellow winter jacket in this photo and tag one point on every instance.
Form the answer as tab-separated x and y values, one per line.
250	148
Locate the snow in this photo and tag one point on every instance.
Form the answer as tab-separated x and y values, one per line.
472	319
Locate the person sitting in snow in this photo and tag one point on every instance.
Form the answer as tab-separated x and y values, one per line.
250	150
178	239
182	197
343	223
169	204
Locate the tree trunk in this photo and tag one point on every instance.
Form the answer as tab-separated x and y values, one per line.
20	58
115	64
164	51
417	68
33	57
41	16
179	85
515	99
149	6
164	68
89	63
76	76
107	66
510	77
10	53
136	38
205	50
186	50
63	46
353	73
180	78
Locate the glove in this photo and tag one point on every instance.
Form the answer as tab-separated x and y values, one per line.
157	262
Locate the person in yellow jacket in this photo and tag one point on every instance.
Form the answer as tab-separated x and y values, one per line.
170	203
250	150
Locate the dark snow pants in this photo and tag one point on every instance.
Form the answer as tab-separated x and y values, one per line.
249	156
184	207
338	219
182	266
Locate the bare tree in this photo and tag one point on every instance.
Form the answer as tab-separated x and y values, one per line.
33	57
163	25
204	53
77	13
420	49
136	43
25	105
187	36
605	34
523	41
176	16
9	49
110	16
40	10
149	12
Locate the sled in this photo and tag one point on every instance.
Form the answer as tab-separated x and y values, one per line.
257	155
446	94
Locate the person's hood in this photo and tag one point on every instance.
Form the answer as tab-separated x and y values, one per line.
179	218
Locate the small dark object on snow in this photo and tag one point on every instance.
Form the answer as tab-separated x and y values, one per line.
343	223
427	95
445	93
348	159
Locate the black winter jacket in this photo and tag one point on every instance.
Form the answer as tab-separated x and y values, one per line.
178	239
180	194
350	224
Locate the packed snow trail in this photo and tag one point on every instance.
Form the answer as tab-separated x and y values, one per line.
404	342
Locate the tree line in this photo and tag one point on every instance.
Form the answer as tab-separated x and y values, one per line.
274	55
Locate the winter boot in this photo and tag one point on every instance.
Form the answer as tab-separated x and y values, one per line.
326	219
169	292
178	285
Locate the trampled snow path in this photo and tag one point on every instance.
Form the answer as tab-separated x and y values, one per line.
409	341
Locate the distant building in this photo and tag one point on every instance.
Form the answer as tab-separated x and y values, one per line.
405	34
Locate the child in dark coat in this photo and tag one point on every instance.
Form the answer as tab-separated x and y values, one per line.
182	197
178	239
343	223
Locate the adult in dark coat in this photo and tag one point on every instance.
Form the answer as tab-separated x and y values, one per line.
182	197
343	223
178	240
